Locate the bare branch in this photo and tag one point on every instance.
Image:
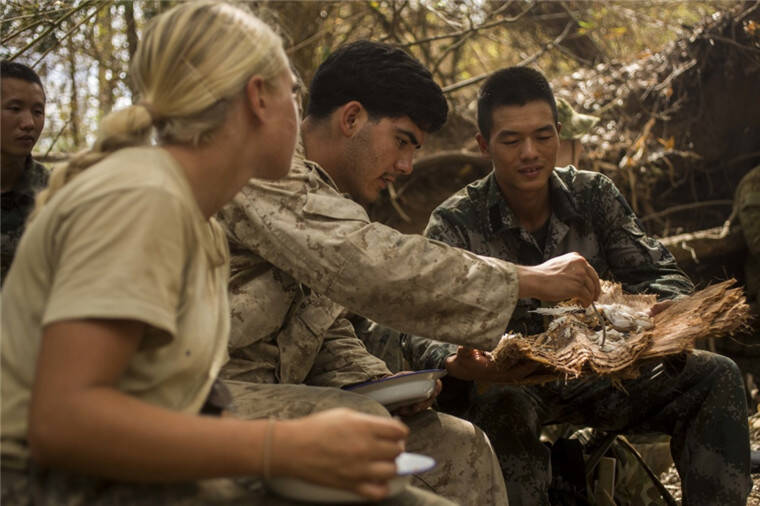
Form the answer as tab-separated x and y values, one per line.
66	35
57	136
686	207
527	61
13	35
52	27
470	30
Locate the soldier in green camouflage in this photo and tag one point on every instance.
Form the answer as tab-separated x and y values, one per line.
747	210
528	211
23	117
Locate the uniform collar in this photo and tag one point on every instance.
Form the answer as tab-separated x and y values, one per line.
500	216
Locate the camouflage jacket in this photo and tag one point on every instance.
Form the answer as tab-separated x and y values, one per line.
589	216
283	331
17	204
747	209
304	227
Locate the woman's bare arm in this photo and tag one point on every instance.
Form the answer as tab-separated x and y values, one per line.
80	421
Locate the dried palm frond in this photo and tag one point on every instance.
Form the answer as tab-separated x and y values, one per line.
572	344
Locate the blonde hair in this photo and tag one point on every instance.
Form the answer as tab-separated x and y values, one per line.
191	63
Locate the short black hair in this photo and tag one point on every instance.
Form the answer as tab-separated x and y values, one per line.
19	71
387	81
512	86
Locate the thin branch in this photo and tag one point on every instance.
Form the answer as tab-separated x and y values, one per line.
55	25
61	39
686	207
13	35
469	30
527	61
35	15
449	49
710	37
318	35
57	136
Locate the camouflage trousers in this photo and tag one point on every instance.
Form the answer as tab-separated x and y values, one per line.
467	470
467	473
697	398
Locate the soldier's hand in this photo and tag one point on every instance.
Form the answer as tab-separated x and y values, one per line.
340	448
413	409
476	365
560	278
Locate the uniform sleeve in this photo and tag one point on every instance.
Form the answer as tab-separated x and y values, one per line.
639	262
119	256
343	359
419	352
326	241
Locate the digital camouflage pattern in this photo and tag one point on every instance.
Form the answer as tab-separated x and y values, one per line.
699	399
303	226
589	216
17	204
747	209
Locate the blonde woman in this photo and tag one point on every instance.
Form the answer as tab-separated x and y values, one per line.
115	315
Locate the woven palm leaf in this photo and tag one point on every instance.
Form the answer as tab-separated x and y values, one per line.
572	344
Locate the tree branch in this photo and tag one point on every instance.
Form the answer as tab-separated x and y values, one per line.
686	207
61	39
52	27
527	61
470	30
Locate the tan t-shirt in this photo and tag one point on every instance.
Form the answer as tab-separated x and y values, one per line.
124	239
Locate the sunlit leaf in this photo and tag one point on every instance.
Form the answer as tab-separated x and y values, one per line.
668	143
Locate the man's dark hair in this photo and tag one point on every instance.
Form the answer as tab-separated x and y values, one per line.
512	86
19	71
385	80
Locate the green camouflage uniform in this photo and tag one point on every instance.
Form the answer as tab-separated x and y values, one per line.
747	209
698	399
297	240
17	203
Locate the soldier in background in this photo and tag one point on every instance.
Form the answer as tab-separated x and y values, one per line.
23	117
574	126
747	210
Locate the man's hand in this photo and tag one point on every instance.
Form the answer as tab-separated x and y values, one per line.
470	364
560	278
413	409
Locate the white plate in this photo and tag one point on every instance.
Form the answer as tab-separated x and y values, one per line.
397	391
407	464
